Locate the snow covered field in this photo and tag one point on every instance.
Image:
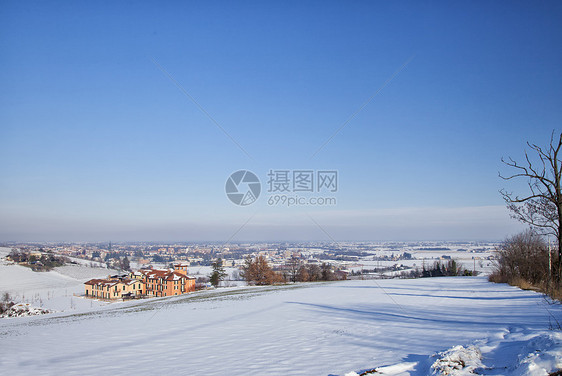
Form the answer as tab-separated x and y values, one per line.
396	326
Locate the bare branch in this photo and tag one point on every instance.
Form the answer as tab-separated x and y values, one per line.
541	208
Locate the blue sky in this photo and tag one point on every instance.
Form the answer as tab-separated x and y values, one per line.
98	143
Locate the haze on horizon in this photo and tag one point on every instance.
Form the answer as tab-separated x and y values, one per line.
123	122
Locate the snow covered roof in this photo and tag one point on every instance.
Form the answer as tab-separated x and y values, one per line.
97	281
168	275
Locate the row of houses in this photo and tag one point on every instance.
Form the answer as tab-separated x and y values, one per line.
142	283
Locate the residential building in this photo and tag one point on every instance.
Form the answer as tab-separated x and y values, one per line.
144	282
115	288
167	282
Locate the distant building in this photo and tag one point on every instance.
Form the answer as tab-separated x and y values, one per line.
36	254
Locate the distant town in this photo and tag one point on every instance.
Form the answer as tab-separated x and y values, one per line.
352	259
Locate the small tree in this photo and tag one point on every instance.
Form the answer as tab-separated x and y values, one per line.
452	268
302	274
327	272
5	302
293	266
218	273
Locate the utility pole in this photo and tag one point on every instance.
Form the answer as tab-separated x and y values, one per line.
549	266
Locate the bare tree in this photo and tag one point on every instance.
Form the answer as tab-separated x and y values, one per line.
293	266
542	207
258	271
302	274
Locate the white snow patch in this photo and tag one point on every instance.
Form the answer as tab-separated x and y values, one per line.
457	361
22	310
397	369
540	356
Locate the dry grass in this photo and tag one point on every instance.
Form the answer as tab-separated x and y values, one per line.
524	285
554	292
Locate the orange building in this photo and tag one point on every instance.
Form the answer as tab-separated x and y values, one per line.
167	282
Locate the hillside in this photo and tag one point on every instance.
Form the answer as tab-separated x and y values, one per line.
52	290
315	329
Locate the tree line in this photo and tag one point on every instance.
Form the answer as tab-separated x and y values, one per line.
439	269
257	271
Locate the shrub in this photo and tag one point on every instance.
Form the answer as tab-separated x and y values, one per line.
257	271
522	257
6	303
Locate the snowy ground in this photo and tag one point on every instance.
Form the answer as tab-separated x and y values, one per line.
395	326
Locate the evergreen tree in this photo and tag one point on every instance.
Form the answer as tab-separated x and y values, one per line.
218	273
125	264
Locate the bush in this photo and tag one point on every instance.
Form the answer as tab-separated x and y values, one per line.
522	257
522	261
257	271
